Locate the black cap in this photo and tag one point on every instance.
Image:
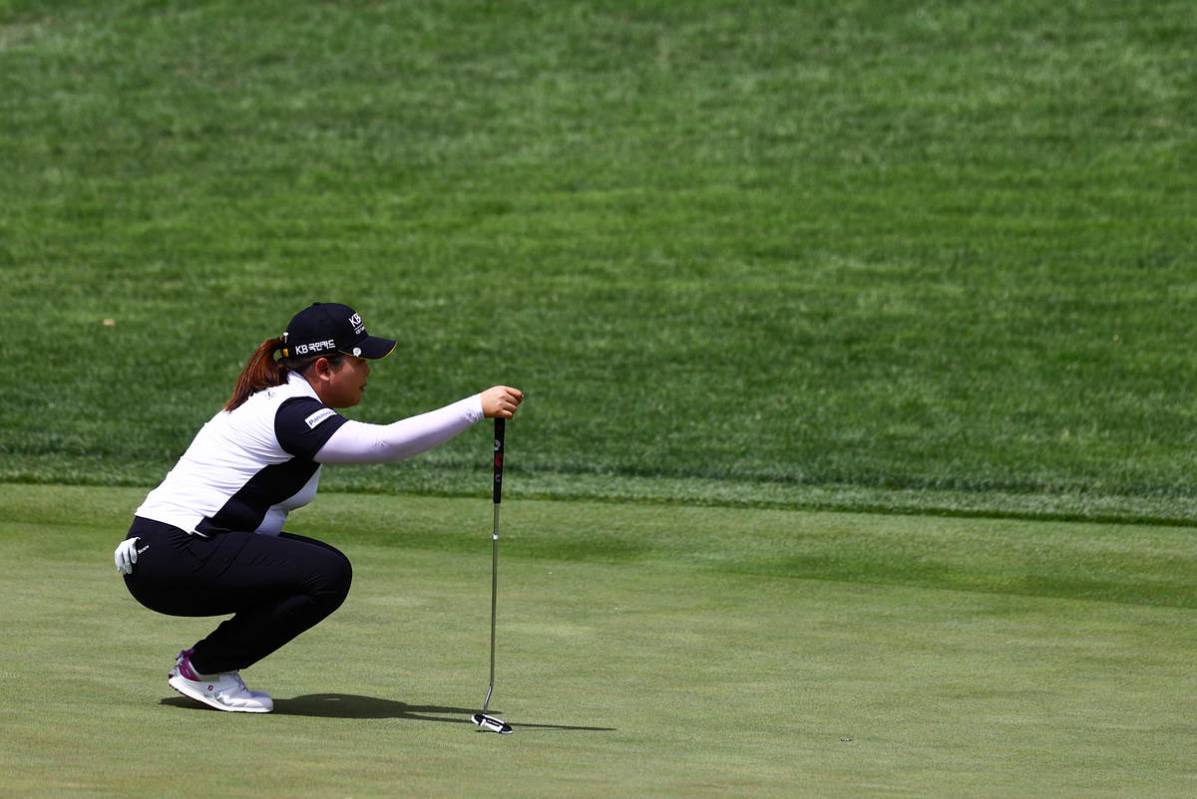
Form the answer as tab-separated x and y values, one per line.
324	328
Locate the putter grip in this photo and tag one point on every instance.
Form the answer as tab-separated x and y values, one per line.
500	429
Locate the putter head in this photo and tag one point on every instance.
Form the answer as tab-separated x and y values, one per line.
492	724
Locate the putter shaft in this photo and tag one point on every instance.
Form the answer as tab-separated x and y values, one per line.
484	721
494	596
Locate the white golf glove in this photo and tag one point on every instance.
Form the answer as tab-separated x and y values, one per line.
126	554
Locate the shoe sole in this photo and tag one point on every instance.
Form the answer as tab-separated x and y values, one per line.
187	691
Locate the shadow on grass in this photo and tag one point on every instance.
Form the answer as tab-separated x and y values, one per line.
351	706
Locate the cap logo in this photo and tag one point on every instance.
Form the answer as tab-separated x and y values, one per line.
315	346
358	324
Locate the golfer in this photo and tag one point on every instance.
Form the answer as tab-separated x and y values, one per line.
209	540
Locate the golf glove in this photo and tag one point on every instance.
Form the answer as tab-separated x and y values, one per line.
126	555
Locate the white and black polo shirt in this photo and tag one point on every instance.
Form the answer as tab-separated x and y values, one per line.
247	468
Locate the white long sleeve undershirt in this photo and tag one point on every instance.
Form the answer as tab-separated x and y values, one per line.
360	442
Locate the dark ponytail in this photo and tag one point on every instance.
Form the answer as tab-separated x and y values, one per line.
262	371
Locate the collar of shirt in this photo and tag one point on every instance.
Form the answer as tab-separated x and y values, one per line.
296	379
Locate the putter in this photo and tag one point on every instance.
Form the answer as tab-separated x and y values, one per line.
493	723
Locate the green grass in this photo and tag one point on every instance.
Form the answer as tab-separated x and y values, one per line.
931	257
644	650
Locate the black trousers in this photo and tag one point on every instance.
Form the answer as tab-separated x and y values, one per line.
275	586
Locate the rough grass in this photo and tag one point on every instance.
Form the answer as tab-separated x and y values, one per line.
901	250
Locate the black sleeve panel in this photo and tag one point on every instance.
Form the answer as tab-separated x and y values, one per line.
304	424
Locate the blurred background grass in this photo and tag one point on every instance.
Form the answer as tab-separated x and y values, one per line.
875	255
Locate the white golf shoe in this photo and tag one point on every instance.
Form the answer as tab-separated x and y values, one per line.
224	691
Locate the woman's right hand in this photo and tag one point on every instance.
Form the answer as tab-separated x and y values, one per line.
501	402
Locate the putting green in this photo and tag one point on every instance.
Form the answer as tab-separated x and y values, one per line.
643	651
